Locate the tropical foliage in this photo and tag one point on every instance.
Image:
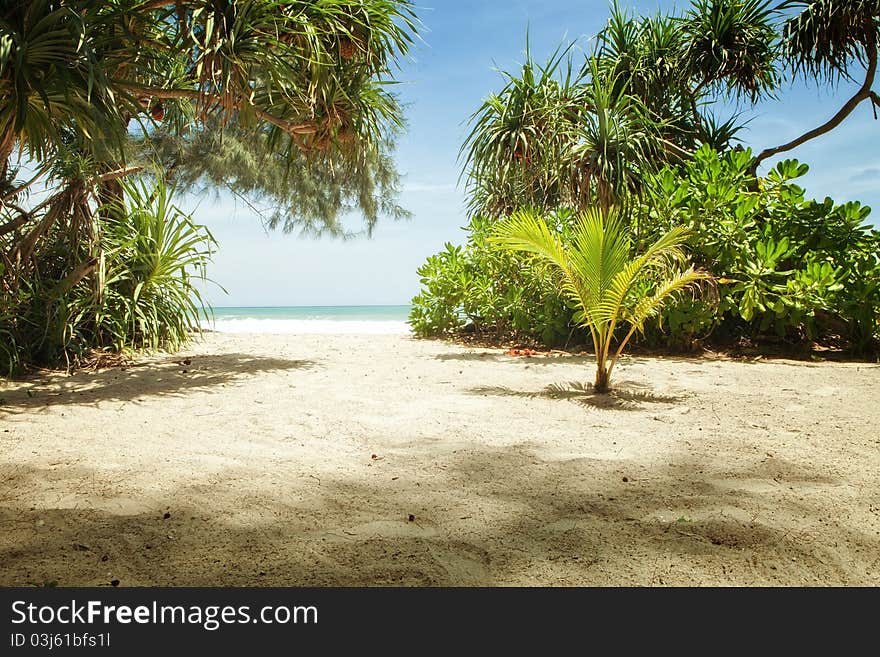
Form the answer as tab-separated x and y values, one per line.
562	135
309	74
113	282
153	252
285	102
633	127
308	193
787	267
488	291
828	40
596	271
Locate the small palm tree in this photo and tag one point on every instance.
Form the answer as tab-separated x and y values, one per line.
597	271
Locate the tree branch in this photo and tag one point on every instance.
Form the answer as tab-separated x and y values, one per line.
862	94
73	278
19	190
15	224
156	4
296	131
119	173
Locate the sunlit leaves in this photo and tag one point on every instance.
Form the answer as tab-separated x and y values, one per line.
599	273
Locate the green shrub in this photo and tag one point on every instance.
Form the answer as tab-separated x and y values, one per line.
494	292
786	266
144	296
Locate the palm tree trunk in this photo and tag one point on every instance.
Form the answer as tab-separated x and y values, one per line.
601	384
110	193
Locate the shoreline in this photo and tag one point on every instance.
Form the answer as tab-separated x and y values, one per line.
298	460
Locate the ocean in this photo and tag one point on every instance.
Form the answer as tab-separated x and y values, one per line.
387	320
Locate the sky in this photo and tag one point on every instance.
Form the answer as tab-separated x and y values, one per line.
444	80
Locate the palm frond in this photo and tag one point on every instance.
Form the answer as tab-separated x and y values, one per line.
601	275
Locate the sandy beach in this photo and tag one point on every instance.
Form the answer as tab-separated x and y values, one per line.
383	460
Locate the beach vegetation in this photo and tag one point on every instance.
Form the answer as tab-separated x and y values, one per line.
491	292
287	105
636	125
613	289
104	282
788	268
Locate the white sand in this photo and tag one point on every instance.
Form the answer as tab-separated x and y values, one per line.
297	460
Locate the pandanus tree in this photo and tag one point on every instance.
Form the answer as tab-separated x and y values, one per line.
614	290
741	48
559	137
308	77
301	87
548	131
731	46
616	141
677	64
51	80
518	150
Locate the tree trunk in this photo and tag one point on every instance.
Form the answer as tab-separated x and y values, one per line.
601	384
110	196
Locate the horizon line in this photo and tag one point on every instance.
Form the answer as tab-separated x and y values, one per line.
332	305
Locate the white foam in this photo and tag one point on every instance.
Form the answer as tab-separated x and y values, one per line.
307	326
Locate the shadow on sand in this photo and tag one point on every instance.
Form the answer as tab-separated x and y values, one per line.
625	396
496	357
489	516
168	376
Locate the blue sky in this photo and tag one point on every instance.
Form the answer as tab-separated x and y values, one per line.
444	80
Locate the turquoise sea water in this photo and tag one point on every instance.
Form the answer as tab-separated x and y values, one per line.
311	319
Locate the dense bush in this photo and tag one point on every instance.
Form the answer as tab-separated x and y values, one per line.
785	266
490	291
119	279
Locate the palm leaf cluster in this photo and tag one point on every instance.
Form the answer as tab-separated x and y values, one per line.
51	79
644	55
312	76
557	137
518	148
827	37
733	44
828	40
598	273
561	135
151	255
